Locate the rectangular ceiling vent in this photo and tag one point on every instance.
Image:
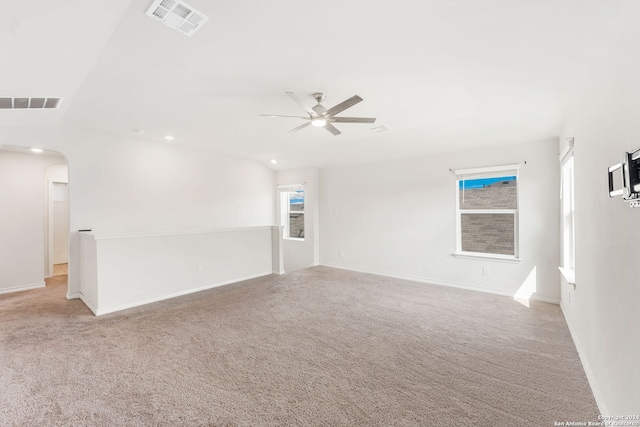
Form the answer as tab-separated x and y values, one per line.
178	15
36	103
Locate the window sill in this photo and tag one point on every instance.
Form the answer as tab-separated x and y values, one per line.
294	239
499	258
569	275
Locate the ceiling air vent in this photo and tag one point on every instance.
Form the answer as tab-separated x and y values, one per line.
23	103
178	15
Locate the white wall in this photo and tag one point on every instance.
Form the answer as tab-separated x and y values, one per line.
116	276
128	186
22	219
301	254
604	309
398	218
131	186
121	185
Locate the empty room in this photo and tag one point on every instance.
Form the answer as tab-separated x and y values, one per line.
416	213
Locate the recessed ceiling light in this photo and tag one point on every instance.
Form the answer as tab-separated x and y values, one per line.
168	137
274	161
37	150
379	129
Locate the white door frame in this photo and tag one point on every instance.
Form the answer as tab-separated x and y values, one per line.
50	184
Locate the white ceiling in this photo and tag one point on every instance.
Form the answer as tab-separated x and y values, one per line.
443	75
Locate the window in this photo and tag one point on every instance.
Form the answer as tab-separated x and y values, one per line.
292	211
568	207
487	212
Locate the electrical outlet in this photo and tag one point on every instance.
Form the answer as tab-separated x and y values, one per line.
341	253
485	271
200	269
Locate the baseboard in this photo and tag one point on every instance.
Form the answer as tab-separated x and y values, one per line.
23	288
100	312
597	394
535	297
88	303
81	297
448	284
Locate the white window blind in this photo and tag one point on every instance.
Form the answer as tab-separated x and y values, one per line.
290	187
490	172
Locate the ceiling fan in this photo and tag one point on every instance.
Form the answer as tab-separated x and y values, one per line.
321	117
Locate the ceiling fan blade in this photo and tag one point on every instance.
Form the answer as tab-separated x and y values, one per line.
353	119
344	105
298	101
280	115
331	128
304	125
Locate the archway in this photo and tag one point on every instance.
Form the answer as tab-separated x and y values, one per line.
25	174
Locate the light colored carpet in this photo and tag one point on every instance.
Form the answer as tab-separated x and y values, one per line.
314	347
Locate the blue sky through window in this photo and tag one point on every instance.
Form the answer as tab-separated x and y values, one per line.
469	184
296	197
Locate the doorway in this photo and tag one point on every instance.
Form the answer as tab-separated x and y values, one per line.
57	221
59	228
26	175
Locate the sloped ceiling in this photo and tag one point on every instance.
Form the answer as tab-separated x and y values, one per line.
48	48
443	75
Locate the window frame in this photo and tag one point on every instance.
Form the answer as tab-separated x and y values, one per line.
488	172
285	210
567	213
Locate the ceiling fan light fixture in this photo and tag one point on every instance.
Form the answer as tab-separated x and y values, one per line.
319	122
320	117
